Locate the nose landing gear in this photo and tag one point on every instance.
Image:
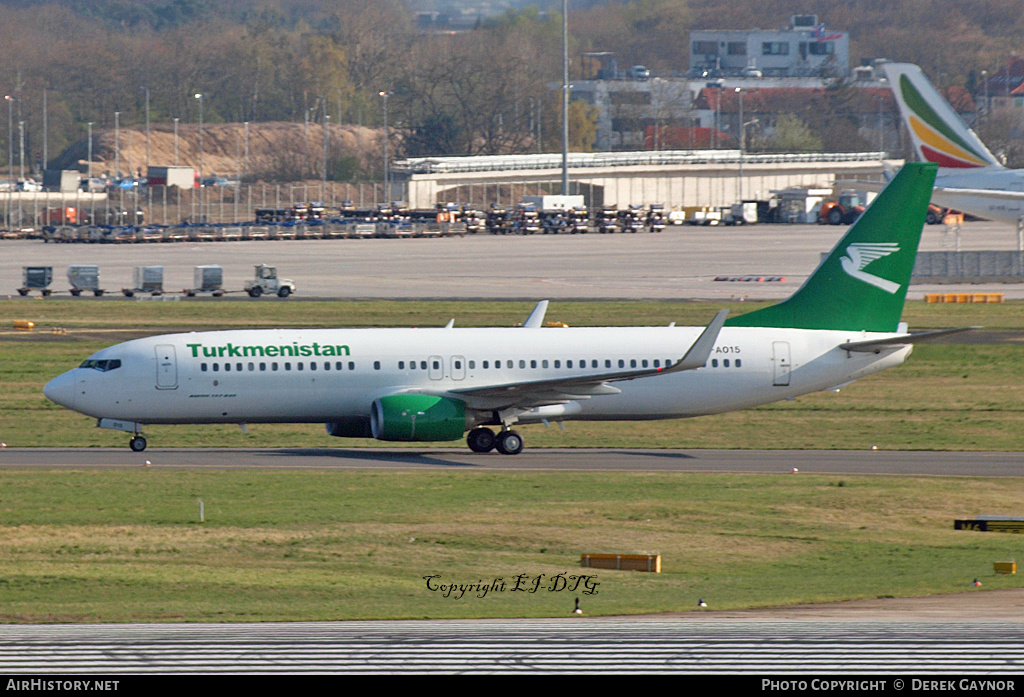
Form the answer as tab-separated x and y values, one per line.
137	444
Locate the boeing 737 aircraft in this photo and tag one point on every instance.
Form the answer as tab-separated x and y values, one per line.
970	178
437	384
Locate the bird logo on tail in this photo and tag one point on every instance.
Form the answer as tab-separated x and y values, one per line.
860	254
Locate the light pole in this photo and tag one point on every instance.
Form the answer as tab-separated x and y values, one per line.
176	141
565	97
89	161
199	96
739	91
88	186
147	130
117	144
387	172
984	82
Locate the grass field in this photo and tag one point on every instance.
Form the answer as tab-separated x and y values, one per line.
101	546
127	545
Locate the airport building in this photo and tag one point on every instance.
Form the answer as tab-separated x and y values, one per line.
805	48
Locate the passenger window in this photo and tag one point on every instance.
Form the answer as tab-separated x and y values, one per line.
337	365
216	367
376	365
273	366
288	365
263	366
401	365
714	362
202	367
312	365
351	365
522	363
533	364
486	363
725	363
738	364
558	364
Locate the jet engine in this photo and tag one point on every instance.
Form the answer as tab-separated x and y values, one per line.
418	417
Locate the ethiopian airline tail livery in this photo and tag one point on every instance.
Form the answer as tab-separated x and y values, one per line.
970	178
437	384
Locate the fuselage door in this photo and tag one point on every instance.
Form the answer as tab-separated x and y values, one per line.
166	367
436	368
458	368
781	363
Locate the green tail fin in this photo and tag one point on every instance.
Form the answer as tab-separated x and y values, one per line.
863	282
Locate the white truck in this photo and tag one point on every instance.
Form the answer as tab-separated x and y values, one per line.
266	281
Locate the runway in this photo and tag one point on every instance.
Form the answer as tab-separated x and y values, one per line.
577	646
896	462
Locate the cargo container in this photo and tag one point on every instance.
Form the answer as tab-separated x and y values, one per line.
84	277
36	278
146	279
179	176
207	279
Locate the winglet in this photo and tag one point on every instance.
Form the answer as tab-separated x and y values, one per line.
536	318
699	353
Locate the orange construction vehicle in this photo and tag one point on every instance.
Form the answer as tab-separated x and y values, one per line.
844	211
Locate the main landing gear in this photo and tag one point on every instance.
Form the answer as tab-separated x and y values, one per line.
137	444
484	440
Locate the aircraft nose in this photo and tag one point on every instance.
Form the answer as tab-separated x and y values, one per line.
61	390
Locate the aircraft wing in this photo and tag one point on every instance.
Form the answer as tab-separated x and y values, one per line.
530	394
873	345
996	194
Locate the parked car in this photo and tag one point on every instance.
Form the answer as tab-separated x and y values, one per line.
639	72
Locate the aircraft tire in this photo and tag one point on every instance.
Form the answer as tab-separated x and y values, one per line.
137	444
509	443
481	440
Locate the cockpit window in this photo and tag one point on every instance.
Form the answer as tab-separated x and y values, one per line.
102	365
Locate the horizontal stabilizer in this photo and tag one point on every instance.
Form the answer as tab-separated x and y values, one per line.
894	342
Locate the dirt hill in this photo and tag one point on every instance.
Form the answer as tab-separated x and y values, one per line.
277	150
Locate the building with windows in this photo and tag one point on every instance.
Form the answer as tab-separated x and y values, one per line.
805	48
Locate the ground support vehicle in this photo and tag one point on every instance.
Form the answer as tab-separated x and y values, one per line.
608	220
266	282
655	220
842	212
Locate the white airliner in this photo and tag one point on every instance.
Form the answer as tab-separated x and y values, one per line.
437	384
970	178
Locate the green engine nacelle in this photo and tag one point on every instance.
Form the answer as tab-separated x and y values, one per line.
417	417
